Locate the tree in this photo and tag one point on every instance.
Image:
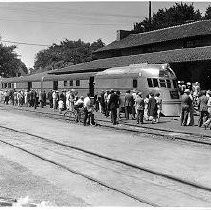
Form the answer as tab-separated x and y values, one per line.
178	14
65	53
208	13
10	65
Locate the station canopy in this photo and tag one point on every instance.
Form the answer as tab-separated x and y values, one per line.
188	30
170	56
90	68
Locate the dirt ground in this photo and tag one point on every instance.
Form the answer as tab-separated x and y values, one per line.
32	178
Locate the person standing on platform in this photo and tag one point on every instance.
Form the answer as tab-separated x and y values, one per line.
139	105
106	99
134	94
113	104
44	98
203	109
88	112
78	106
102	102
71	100
146	101
120	105
152	108
208	121
190	121
185	107
159	105
61	105
40	99
129	102
50	98
54	96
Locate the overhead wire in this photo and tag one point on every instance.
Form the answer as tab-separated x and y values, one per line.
25	43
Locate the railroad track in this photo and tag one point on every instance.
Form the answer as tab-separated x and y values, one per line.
28	147
202	139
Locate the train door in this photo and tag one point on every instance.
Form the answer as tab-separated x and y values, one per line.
91	86
55	85
29	85
135	83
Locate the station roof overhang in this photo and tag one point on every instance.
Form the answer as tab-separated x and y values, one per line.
90	68
170	56
184	31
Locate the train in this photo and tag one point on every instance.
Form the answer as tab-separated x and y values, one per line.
142	77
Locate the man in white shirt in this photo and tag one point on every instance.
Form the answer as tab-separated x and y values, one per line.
88	111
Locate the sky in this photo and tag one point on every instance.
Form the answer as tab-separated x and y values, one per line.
40	24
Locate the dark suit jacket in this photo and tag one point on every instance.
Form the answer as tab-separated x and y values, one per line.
129	101
113	101
185	101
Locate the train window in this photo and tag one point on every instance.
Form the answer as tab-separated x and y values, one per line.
149	80
65	83
9	85
175	83
77	82
71	83
162	83
2	85
5	85
135	83
155	82
168	83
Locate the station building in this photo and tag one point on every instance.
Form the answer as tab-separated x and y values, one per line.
186	47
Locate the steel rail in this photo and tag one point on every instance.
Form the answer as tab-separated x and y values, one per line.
148	130
145	169
141	200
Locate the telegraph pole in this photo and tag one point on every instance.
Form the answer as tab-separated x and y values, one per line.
150	14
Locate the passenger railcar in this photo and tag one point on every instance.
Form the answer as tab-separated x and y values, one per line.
142	77
81	82
145	78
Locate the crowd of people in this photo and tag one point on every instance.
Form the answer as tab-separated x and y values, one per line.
110	103
132	104
113	103
194	99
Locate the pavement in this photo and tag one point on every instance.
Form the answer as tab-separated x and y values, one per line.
166	123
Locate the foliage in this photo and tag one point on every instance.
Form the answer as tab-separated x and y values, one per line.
178	14
208	13
66	53
10	65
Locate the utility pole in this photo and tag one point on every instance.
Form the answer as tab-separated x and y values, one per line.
150	14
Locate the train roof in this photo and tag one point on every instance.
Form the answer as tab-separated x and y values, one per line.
144	69
47	77
134	69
